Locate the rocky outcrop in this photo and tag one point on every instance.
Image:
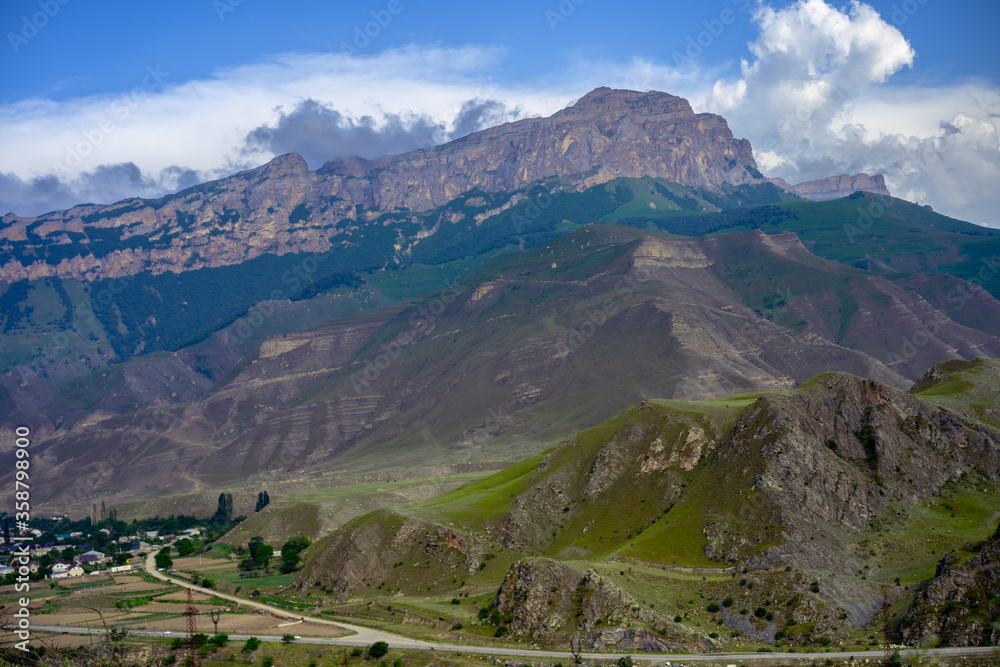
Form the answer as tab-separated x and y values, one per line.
835	187
540	598
830	458
961	605
607	134
284	207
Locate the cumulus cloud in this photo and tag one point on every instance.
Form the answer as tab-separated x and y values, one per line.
811	95
811	101
368	104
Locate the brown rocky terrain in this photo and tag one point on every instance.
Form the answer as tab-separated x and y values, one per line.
811	494
961	606
500	363
540	598
835	187
284	207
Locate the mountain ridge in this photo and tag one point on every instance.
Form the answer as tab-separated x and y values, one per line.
283	207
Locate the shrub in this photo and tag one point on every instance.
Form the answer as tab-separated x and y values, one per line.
252	644
712	608
760	612
268	661
625	661
356	652
814	587
377	650
677	619
287	638
728	602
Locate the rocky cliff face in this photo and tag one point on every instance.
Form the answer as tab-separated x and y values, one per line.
540	598
607	134
283	207
834	457
961	606
835	187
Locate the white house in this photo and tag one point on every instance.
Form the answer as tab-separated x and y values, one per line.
65	570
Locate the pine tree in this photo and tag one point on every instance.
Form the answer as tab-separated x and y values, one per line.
229	508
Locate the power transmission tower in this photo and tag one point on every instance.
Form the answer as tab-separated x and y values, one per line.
192	628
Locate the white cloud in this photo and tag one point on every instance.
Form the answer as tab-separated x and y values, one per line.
811	97
813	104
60	148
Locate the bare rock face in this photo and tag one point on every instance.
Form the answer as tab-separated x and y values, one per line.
607	134
835	187
831	458
283	207
541	597
961	605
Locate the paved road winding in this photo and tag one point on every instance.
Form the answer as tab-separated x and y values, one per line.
363	636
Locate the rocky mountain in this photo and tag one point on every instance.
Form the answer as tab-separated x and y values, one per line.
501	362
825	498
283	207
961	605
835	187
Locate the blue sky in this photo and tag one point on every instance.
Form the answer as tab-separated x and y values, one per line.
101	101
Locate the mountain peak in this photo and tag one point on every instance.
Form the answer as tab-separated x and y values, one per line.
612	101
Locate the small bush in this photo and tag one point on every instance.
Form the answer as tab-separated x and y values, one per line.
625	661
728	602
377	650
252	644
677	619
814	587
712	608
